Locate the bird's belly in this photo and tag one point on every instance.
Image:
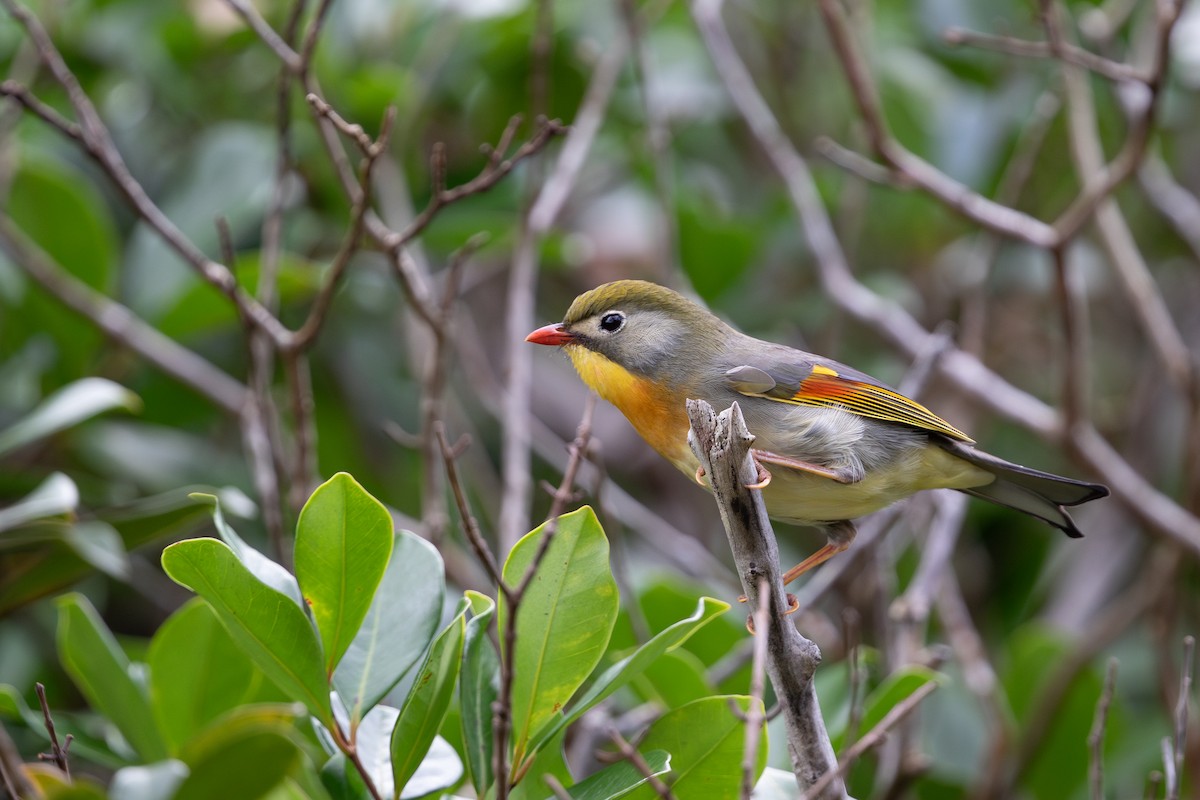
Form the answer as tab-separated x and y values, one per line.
805	499
810	499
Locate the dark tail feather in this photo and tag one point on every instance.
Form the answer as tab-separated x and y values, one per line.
1039	494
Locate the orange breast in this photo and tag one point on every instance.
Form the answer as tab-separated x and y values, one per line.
655	413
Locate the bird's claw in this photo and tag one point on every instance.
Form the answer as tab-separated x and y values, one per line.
793	607
700	476
764	478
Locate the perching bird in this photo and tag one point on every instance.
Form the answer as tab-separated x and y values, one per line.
832	443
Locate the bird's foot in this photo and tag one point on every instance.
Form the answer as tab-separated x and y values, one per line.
700	473
764	477
793	607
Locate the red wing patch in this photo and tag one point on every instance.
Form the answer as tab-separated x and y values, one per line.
824	388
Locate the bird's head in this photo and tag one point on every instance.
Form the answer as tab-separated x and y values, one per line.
646	329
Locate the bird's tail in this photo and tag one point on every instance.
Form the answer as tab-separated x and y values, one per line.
1039	494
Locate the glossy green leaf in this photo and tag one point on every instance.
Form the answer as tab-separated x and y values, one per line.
373	739
547	760
619	779
343	543
634	664
269	572
46	193
399	624
706	740
100	669
564	621
439	770
69	406
676	679
197	673
477	690
243	767
267	625
156	781
56	565
425	707
1055	768
893	690
57	496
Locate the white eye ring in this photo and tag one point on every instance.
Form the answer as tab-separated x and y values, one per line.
612	321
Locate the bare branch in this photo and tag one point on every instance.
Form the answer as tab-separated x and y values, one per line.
755	717
58	753
97	142
267	34
1096	734
722	444
22	95
874	737
630	754
1179	743
120	324
515	456
1113	70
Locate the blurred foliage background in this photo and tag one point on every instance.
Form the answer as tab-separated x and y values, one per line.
674	189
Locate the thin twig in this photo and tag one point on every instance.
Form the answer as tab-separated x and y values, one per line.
96	141
515	447
1113	70
556	787
267	34
469	523
873	738
120	324
758	667
1179	745
514	595
630	753
1096	734
351	752
58	753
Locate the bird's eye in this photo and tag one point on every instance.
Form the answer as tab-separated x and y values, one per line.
612	322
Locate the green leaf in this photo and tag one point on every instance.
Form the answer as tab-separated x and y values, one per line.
440	769
477	690
893	690
52	784
343	543
564	621
548	760
69	406
677	678
156	781
425	707
398	627
633	665
619	779
269	572
267	625
242	767
197	673
56	496
706	740
54	566
99	544
100	669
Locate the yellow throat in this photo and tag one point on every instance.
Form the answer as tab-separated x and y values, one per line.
658	416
